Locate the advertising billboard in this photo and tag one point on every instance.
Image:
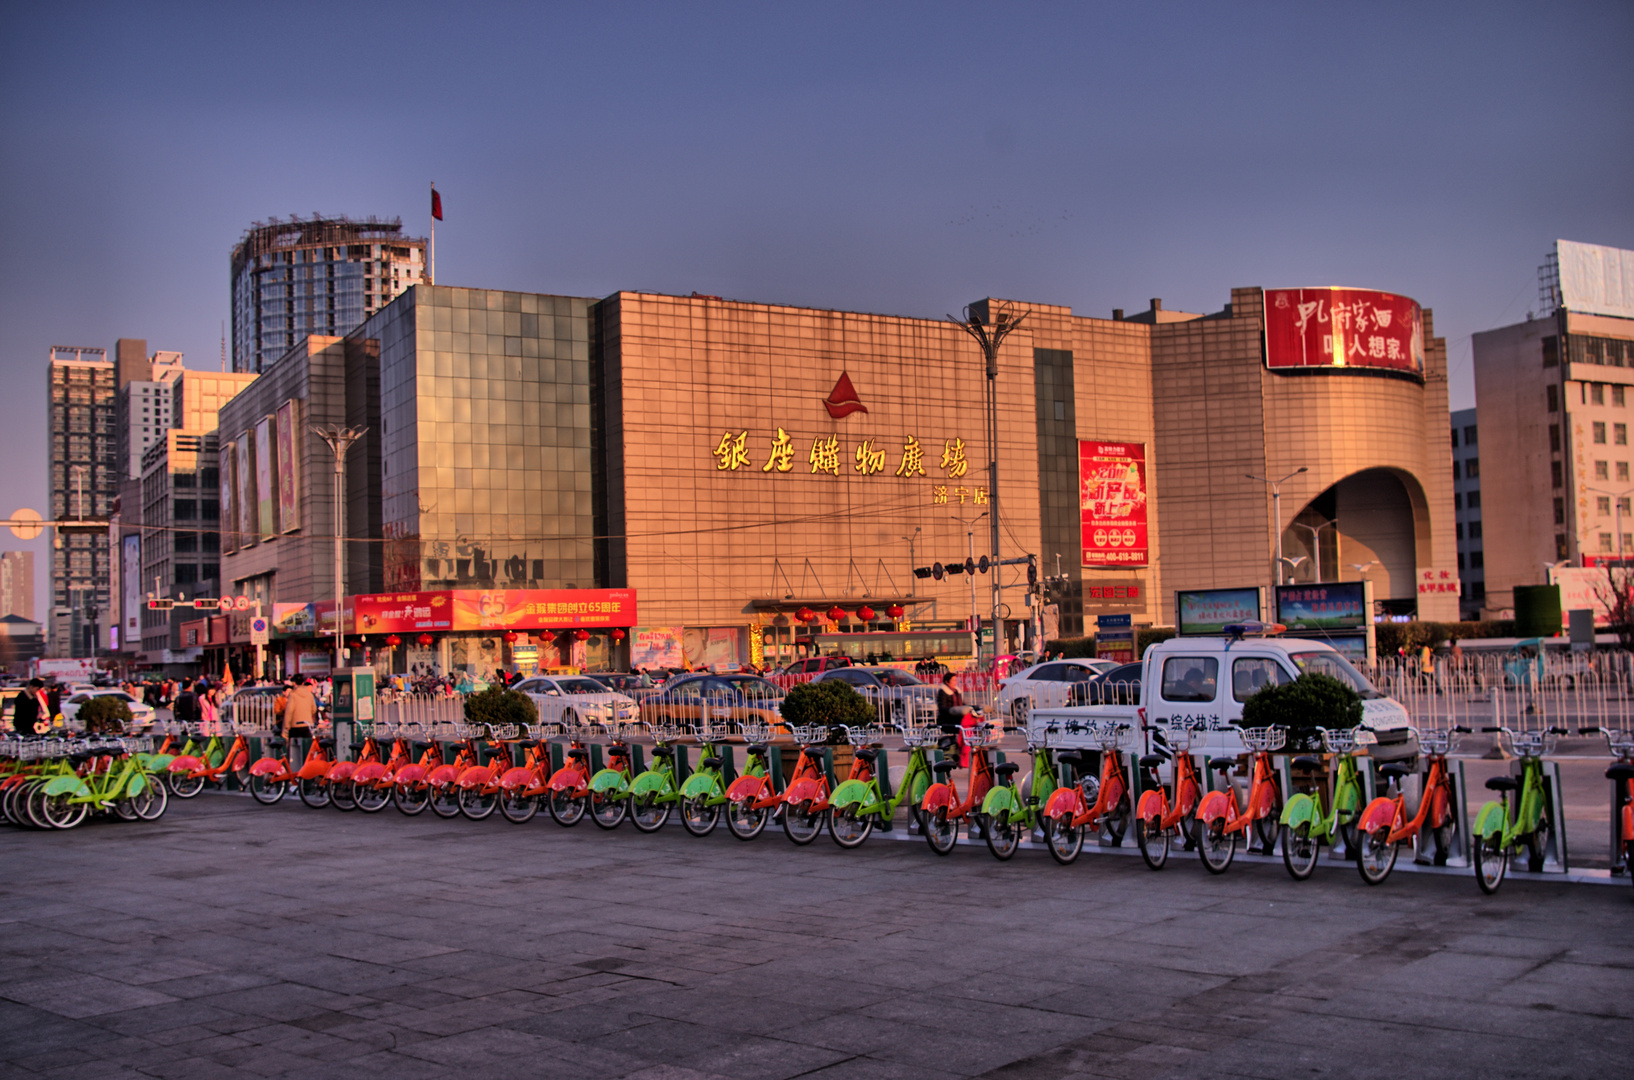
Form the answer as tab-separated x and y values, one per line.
498	609
229	513
1210	611
1333	605
289	507
656	646
1595	279
130	579
246	492
1343	328
1112	503
265	508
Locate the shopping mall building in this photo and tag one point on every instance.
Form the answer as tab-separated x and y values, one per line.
655	478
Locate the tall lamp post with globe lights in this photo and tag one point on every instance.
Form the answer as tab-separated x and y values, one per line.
990	335
340	440
1276	507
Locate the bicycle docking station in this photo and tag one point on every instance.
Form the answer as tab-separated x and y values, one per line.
1619	853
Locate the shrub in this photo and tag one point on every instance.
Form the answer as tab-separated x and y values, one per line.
1311	701
827	702
105	712
498	706
1413	636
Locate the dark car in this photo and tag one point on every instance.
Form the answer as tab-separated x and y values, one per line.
1120	686
742	699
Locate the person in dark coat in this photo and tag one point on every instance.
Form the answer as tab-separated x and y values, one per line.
25	715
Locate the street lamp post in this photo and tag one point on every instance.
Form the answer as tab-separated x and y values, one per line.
1316	543
340	440
911	562
990	336
1276	507
1293	561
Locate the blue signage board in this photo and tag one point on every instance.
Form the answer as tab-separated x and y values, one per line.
1333	605
1210	611
1110	622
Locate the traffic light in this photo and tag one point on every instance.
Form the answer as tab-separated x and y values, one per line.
954	567
921	571
1032	569
161	605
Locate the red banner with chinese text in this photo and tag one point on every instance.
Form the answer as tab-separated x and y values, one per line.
1343	328
1112	503
509	609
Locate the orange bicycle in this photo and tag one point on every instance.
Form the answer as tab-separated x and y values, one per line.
1092	803
941	809
1161	815
1384	826
1219	821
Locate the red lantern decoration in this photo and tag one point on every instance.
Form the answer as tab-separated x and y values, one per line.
896	611
836	613
392	640
805	614
616	634
582	635
426	641
511	637
866	613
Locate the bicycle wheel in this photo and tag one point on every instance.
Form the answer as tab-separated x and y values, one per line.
941	831
266	791
801	824
609	813
445	800
698	817
184	786
647	813
744	821
411	798
1377	855
340	795
35	807
124	810
518	806
315	793
1299	851
1064	839
1442	838
848	829
1537	844
566	808
1491	861
151	804
369	796
1266	829
1003	836
60	813
1215	846
1153	840
1116	821
477	803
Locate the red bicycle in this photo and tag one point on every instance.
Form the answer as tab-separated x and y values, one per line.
1094	803
941	810
1219	821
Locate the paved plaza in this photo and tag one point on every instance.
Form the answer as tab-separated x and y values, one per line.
230	940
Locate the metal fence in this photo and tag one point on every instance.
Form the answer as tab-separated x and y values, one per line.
425	709
1575	691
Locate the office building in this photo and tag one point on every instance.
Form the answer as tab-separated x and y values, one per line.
146	387
17	583
1466	510
1558	387
83	437
181	537
319	276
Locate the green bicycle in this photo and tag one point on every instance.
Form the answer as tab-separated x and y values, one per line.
610	787
864	800
108	777
1306	825
704	792
1006	812
1524	821
654	793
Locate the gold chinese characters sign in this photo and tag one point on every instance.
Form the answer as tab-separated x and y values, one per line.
870	457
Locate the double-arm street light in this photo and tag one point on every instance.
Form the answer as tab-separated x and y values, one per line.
340	440
1316	543
990	335
1276	507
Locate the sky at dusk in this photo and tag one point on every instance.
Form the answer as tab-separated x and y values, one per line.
899	158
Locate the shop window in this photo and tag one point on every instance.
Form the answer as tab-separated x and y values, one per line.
1599	429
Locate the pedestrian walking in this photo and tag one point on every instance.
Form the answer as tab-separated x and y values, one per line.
25	714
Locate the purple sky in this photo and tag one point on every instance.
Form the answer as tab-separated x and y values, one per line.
901	158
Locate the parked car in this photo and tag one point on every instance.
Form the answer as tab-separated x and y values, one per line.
622	681
897	695
816	665
142	715
1045	684
738	698
1120	686
569	699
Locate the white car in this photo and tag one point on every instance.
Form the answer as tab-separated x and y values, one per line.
142	715
1045	686
567	699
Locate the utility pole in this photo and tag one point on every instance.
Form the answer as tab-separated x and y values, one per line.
1316	543
340	440
975	635
1276	507
990	337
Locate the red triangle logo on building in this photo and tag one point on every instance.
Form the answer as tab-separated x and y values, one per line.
843	399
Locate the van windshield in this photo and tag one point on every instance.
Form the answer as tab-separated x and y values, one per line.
1329	663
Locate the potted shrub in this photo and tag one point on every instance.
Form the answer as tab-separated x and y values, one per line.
1311	701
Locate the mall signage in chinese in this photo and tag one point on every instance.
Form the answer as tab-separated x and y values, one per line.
827	455
1112	503
1340	328
1431	582
498	609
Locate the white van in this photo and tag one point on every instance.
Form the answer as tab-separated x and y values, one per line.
1209	679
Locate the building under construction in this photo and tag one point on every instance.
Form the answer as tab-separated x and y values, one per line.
318	276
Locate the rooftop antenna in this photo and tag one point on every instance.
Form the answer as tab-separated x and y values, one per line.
224	345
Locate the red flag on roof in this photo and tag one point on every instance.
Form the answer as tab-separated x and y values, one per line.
436	205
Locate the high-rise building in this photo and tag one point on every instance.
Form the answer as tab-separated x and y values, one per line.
323	276
181	543
145	407
82	400
17	583
1466	512
1557	387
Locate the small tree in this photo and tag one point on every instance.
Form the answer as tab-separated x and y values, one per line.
1616	594
105	712
1311	701
498	706
827	702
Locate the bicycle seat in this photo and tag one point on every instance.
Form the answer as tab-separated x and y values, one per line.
1223	764
756	748
1075	760
709	763
943	767
276	742
1502	783
1395	769
867	755
418	747
1151	761
1623	770
578	753
327	744
1007	769
1305	761
356	746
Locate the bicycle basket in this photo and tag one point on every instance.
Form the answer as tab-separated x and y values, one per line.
1434	742
811	735
982	735
864	734
500	732
716	731
669	732
1264	739
927	735
759	733
1342	741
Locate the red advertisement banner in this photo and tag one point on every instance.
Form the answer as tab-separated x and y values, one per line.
1343	328
507	609
1112	503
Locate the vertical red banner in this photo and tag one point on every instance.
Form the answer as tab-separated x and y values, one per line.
1112	503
